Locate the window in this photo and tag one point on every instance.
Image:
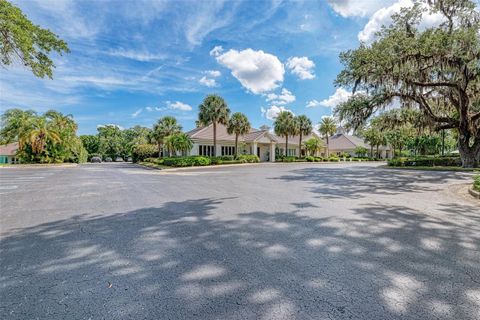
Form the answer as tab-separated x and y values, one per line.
228	151
204	150
292	152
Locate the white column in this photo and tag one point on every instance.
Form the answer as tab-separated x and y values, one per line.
272	152
254	148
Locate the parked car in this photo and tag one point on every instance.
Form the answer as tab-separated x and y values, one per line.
118	159
96	160
108	159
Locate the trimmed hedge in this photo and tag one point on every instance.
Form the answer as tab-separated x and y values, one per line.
187	161
425	162
143	151
249	158
476	183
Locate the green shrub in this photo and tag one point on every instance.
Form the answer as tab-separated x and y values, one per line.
319	159
249	158
425	162
476	182
143	151
333	159
310	158
288	159
187	161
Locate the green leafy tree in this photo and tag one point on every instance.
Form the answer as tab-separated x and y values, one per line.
285	126
213	110
110	140
165	127
375	138
313	145
305	127
360	151
91	143
435	71
327	128
22	40
238	125
398	138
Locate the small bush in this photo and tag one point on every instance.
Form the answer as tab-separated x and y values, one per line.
249	158
288	159
310	158
319	159
142	151
476	182
333	159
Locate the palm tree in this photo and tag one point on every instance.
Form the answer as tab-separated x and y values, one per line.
213	110
285	126
304	128
238	124
181	142
41	132
313	145
16	125
165	127
327	128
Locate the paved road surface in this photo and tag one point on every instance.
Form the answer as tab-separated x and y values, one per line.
293	241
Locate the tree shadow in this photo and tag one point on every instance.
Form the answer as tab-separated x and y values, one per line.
358	182
184	260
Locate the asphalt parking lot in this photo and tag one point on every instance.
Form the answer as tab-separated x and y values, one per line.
268	241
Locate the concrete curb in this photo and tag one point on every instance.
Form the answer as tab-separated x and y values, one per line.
474	193
39	166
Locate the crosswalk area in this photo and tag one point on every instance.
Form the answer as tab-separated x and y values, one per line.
13	181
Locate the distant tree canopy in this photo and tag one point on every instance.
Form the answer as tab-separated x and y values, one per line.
26	42
435	71
46	138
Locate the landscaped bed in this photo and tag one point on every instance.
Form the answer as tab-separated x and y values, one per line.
198	161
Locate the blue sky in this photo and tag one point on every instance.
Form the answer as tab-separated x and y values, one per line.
132	62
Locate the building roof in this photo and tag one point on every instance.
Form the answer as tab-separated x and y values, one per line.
9	149
341	141
206	133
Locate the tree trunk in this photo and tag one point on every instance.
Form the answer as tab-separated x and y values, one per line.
300	146
470	155
286	146
236	145
328	151
377	155
159	150
371	151
214	139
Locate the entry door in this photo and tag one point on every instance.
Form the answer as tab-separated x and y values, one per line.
258	152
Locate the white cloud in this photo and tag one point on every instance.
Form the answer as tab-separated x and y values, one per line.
301	67
104	82
257	71
149	109
213	73
383	17
136	113
313	103
340	95
136	55
355	8
216	51
208	82
272	112
283	98
178	106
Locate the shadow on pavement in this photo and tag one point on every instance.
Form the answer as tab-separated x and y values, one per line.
179	262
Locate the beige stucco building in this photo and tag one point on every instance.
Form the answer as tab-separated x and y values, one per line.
261	142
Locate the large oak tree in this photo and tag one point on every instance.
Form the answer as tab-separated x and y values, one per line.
435	70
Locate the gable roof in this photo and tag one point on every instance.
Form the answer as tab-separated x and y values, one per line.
9	149
206	133
341	141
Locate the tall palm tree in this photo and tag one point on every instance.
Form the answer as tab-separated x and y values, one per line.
327	128
165	127
285	126
213	110
238	124
304	128
16	125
